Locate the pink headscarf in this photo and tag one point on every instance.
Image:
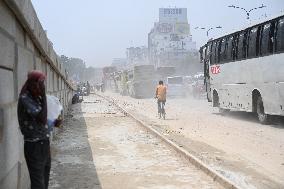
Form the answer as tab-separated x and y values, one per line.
37	77
34	76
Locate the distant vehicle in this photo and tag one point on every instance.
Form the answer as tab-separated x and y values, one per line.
76	98
188	81
244	70
198	89
199	76
108	79
164	72
83	91
175	86
143	82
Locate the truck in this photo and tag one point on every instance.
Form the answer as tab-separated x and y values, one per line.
143	82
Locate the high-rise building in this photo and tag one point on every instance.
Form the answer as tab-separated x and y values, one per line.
170	40
136	56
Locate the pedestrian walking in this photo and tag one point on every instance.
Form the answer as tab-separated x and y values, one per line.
32	117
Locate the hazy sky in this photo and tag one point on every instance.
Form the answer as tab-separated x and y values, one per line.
98	31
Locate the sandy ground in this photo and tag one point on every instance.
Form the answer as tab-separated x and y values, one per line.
236	145
99	147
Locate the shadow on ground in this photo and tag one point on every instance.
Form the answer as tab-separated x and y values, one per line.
275	121
72	160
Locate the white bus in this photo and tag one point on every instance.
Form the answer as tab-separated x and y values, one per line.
244	70
175	86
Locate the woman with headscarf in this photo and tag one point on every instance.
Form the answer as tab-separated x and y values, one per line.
32	117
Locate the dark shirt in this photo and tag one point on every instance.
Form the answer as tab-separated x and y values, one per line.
29	109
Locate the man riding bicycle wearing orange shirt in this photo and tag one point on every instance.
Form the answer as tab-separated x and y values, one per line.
161	95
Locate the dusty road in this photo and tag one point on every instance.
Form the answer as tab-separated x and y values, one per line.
236	145
99	147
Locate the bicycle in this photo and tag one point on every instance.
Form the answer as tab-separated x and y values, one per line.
161	109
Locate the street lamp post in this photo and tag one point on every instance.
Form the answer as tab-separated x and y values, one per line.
208	29
247	11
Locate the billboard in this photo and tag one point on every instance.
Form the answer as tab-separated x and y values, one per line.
173	15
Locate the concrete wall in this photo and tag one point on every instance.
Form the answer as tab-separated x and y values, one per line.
23	46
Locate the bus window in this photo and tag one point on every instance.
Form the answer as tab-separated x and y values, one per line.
222	51
271	37
245	44
214	52
279	45
205	51
240	46
235	47
212	56
218	51
217	44
264	50
230	49
252	43
208	51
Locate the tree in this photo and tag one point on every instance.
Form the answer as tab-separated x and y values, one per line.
77	69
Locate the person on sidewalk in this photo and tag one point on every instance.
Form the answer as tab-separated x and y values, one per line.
32	118
161	95
88	88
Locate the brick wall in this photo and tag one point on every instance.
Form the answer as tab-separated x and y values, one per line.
23	46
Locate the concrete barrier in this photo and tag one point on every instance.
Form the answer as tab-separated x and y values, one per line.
24	46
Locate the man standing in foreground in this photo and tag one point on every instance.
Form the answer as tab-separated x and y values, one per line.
161	93
32	117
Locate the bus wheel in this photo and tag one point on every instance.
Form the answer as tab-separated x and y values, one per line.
262	117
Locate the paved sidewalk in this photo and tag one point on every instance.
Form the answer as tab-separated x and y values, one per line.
72	164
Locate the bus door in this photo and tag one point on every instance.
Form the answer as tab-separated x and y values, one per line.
207	70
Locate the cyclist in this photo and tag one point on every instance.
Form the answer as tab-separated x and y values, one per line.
161	92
